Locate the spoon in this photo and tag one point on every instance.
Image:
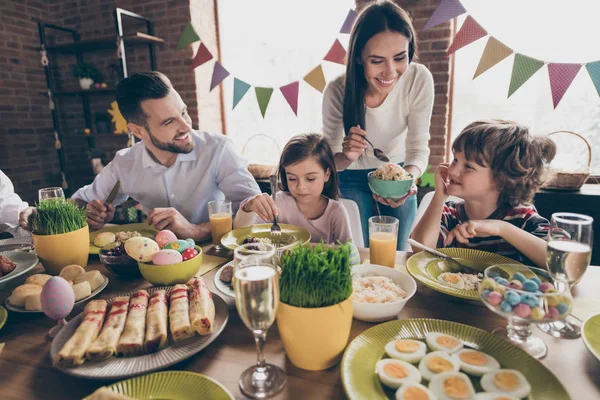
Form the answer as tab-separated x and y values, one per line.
379	154
464	268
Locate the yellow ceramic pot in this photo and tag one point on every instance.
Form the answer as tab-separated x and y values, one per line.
57	251
315	338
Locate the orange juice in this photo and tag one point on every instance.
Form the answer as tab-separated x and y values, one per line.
382	248
220	224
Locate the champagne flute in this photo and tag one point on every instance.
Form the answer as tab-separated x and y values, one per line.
50	193
256	286
568	255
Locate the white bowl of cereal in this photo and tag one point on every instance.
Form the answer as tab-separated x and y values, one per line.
380	293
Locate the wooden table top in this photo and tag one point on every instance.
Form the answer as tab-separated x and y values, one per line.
26	371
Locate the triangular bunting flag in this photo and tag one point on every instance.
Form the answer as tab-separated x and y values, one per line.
239	90
469	32
494	52
290	92
349	22
337	53
594	70
202	55
561	77
446	10
219	74
316	78
523	68
263	95
188	36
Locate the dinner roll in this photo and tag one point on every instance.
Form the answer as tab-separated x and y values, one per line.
20	294
34	302
94	277
38	279
82	290
71	272
104	238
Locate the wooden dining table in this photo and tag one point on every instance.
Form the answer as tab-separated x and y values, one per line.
26	371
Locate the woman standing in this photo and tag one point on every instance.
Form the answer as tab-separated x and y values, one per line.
387	95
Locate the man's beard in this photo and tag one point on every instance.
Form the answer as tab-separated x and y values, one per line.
171	147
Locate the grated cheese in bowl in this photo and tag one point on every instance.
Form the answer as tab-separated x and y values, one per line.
376	289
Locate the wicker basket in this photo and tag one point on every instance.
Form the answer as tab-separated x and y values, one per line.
565	180
262	171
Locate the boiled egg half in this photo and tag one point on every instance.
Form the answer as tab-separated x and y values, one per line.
437	362
394	373
414	391
506	382
452	280
452	386
475	362
440	341
409	350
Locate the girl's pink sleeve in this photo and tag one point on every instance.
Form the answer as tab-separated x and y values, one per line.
341	225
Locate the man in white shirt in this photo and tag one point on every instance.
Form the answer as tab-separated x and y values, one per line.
174	171
11	204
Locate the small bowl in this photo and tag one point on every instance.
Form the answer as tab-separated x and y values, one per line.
121	265
389	189
171	274
377	312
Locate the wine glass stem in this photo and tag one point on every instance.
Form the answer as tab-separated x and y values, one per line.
259	338
518	330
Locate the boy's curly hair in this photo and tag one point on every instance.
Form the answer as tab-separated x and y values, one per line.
516	158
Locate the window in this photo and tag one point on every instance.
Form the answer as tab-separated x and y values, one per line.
531	28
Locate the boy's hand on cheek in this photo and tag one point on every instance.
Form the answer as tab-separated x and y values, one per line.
441	179
476	228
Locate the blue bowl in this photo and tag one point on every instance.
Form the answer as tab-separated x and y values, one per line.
389	189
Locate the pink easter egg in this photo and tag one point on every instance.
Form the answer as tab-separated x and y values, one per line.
166	257
165	236
57	298
515	285
188	254
494	298
522	310
552	313
545	286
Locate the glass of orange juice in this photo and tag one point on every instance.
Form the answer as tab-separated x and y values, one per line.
220	217
383	238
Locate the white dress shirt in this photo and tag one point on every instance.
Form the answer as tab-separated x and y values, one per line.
212	171
10	202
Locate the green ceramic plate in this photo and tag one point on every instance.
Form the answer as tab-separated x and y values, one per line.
141	227
291	235
180	385
3	316
358	365
591	335
425	268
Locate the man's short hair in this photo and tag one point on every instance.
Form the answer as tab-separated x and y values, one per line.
133	90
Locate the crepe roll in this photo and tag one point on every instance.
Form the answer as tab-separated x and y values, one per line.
71	272
20	294
105	345
38	279
179	317
73	352
34	302
95	278
131	342
156	322
202	307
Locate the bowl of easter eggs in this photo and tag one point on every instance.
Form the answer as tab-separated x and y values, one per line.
523	293
166	260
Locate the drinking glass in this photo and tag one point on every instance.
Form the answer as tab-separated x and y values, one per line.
50	193
256	286
221	221
383	239
568	255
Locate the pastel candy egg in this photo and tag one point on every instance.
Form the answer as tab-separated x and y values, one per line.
545	286
506	307
485	293
552	313
552	301
166	257
522	310
515	285
501	289
529	299
180	245
530	285
57	298
188	254
488	283
536	280
141	248
537	314
562	308
518	277
501	281
494	298
165	236
512	297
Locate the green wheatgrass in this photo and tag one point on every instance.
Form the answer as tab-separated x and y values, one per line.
56	216
317	276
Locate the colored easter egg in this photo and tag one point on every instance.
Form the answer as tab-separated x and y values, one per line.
537	314
164	237
512	297
488	283
505	306
562	308
141	248
501	281
166	257
515	284
518	277
552	301
494	298
188	254
57	298
530	299
536	280
522	310
180	245
545	286
552	313
530	285
485	293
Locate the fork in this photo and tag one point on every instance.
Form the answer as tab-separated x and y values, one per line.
275	228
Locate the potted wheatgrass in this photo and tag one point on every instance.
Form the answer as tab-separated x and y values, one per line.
315	308
60	234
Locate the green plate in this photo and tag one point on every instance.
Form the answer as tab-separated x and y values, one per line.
291	235
591	335
143	228
3	316
425	268
181	385
358	364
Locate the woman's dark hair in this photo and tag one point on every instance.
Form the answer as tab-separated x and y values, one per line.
380	16
137	88
516	158
301	147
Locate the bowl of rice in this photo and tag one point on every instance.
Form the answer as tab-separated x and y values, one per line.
380	293
390	181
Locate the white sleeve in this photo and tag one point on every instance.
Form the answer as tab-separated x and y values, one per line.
419	119
102	185
10	202
333	114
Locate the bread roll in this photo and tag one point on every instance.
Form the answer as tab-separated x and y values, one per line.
38	279
71	272
104	238
94	277
20	294
34	302
82	290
